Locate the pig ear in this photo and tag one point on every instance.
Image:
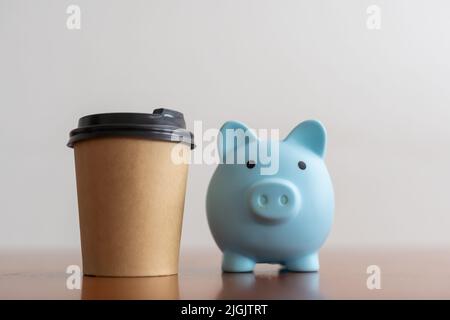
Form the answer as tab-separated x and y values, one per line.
232	135
311	134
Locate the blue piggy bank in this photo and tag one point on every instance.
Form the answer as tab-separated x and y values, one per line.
280	215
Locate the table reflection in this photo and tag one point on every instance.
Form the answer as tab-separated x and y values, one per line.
141	288
277	285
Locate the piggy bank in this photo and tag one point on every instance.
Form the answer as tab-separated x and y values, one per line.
270	201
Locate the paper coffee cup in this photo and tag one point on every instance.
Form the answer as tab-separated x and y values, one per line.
130	192
149	288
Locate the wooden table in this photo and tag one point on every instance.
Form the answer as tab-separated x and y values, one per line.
410	274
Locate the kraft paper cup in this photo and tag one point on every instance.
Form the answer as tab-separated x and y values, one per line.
149	288
130	192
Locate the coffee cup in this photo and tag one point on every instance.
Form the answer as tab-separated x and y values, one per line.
131	192
148	288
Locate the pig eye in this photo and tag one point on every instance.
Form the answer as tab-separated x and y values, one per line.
250	164
302	165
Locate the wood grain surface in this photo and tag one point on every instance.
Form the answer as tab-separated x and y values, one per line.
405	274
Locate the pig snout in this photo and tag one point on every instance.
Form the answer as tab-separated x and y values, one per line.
274	200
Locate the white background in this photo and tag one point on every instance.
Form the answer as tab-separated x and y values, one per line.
383	95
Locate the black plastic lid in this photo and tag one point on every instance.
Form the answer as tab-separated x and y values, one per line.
162	124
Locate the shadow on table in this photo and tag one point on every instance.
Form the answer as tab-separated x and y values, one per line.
281	285
148	288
